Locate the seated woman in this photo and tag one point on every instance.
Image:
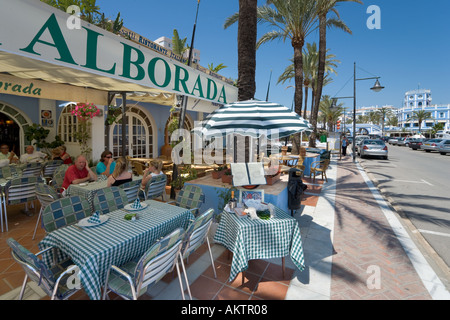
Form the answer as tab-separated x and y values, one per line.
56	154
65	156
153	169
106	165
120	174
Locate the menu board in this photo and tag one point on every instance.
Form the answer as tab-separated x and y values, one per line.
247	174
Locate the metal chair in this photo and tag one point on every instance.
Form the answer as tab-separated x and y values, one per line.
58	177
196	234
19	191
49	169
52	280
45	195
33	169
110	199
190	197
131	280
156	187
131	189
320	167
64	212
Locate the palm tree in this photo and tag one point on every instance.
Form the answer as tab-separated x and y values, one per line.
392	121
247	34
179	45
328	114
217	68
384	113
310	67
324	7
420	116
293	20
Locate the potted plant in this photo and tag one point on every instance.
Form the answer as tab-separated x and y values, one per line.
112	115
227	177
272	179
218	172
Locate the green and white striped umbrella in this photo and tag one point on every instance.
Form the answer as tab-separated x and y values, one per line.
254	118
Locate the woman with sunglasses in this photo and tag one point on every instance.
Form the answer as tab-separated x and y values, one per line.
106	165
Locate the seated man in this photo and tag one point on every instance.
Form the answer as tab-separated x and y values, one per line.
78	173
7	157
32	156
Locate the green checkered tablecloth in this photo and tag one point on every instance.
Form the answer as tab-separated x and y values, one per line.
260	239
115	242
89	190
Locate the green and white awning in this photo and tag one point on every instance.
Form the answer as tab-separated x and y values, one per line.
254	118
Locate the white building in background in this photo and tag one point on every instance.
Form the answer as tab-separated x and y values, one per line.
421	100
167	43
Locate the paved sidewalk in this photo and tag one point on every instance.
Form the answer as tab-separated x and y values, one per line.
356	248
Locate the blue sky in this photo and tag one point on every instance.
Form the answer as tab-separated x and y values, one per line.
410	51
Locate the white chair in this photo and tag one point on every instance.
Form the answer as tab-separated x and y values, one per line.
45	195
18	191
196	235
156	187
131	189
49	169
131	280
32	170
52	281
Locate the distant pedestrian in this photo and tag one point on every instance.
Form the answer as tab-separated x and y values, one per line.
344	145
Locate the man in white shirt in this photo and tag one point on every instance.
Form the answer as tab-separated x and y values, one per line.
32	156
7	157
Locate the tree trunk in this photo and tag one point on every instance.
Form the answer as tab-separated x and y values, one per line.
306	102
298	68
320	76
247	28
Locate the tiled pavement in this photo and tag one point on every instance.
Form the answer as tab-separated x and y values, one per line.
351	253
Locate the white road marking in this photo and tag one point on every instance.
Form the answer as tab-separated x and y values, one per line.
442	234
427	183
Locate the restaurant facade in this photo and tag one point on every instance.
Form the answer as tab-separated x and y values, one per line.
50	62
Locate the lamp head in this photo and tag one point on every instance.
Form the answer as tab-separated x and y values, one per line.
377	87
333	102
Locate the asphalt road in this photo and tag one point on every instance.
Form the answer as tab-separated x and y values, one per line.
418	185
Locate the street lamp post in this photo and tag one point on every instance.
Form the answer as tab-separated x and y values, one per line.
376	88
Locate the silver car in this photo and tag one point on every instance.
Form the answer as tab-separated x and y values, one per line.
444	147
373	147
430	145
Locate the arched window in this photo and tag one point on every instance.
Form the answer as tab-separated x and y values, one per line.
67	124
140	136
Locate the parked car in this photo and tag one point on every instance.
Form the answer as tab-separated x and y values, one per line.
393	140
400	142
358	140
415	145
373	147
408	141
430	145
444	147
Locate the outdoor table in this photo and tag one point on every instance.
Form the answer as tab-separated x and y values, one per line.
114	242
259	239
308	160
89	190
